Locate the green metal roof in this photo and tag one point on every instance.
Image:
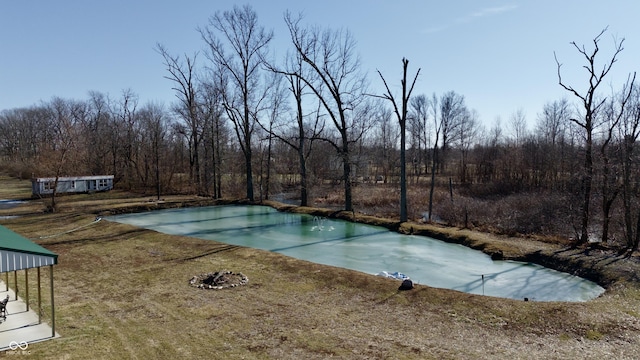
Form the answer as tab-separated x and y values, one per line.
12	241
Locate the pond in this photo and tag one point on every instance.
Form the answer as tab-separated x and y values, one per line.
368	249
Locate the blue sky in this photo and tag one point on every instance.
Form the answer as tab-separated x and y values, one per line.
498	54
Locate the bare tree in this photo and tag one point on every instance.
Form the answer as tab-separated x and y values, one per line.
239	31
401	114
452	110
62	147
384	143
551	122
182	74
95	134
466	134
434	157
421	131
551	129
300	134
115	142
488	153
629	130
337	83
304	143
215	134
276	107
124	141
22	133
423	109
518	125
590	105
154	129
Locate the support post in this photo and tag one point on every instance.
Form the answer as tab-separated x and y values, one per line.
39	300
53	307
26	287
15	281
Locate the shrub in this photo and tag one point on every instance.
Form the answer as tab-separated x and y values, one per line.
526	213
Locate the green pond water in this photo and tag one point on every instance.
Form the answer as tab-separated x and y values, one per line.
368	249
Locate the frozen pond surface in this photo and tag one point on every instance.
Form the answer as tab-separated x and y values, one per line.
368	249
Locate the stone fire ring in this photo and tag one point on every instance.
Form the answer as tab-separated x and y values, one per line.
219	280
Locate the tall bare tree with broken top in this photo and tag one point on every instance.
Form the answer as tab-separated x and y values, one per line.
401	114
591	104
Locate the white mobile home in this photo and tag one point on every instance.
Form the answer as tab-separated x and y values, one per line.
76	184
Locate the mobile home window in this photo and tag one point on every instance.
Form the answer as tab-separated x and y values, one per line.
48	185
102	183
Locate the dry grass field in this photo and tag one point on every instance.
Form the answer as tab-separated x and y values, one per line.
123	293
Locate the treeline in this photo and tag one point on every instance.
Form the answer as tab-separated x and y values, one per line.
246	125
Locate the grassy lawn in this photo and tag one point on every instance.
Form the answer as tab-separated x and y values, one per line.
123	293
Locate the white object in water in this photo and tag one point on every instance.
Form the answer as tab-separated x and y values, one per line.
395	275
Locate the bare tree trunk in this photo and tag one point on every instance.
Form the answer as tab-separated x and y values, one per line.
402	120
433	177
156	147
268	175
217	166
434	156
214	159
302	158
53	207
248	157
346	175
586	189
633	245
296	88
627	191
